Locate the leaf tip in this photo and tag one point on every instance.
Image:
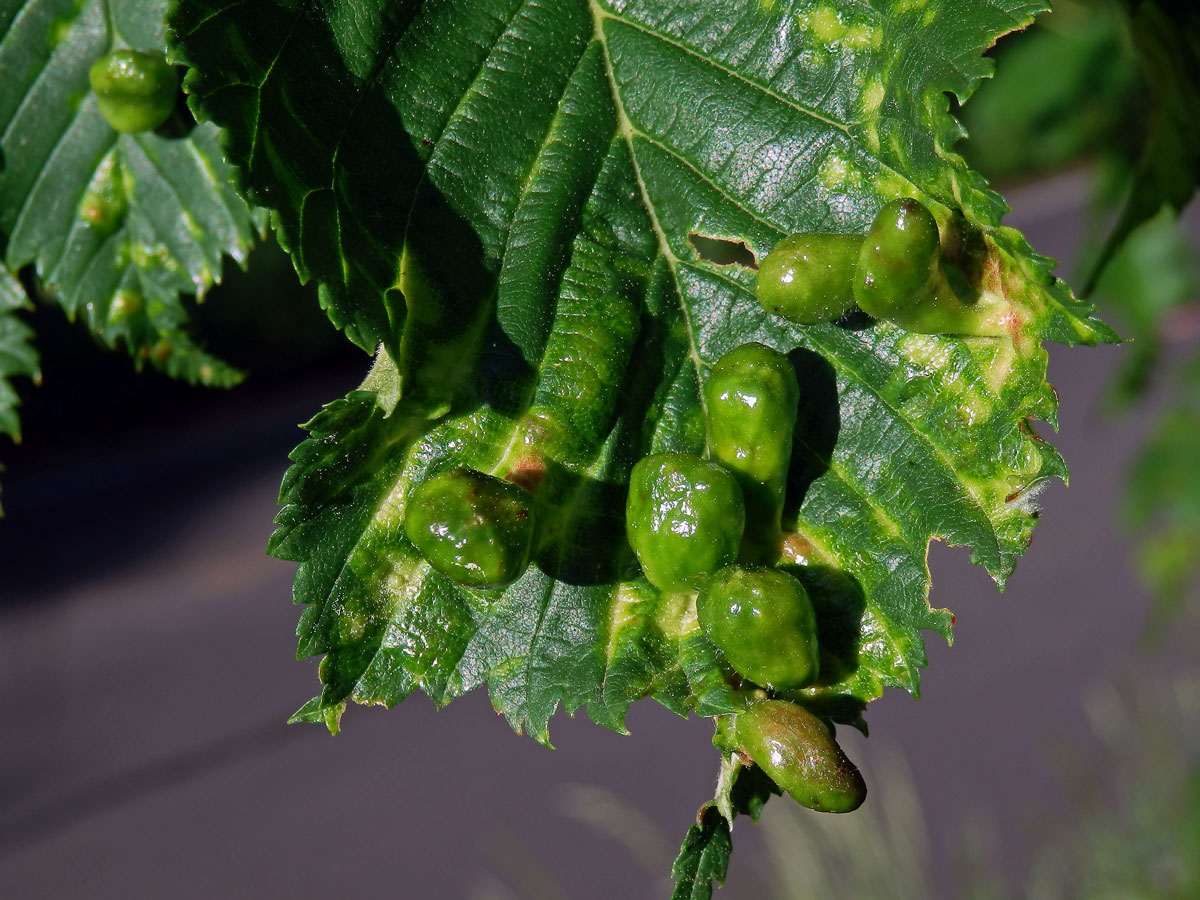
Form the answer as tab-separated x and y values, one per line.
317	712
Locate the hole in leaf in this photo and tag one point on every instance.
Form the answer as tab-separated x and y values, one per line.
722	251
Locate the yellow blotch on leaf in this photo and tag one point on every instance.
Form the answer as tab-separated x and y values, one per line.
826	25
872	97
834	171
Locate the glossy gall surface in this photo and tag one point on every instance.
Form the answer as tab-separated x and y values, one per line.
135	90
795	748
474	528
684	518
763	622
750	401
806	278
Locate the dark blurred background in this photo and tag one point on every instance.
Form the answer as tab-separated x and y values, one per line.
146	641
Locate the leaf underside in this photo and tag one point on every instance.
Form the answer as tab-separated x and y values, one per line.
119	226
498	194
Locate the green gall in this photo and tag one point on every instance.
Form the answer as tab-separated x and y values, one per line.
806	278
750	402
135	90
900	275
798	752
764	624
750	399
684	519
474	528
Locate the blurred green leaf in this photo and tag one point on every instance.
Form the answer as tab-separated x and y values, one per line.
1027	123
1166	34
17	354
1151	287
1162	503
118	225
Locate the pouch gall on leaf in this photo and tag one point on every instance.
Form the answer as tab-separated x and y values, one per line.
750	400
900	275
684	519
763	622
806	278
135	90
798	751
472	527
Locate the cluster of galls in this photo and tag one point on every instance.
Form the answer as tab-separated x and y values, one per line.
712	526
896	271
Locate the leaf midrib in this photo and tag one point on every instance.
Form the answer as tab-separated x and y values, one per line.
626	130
846	128
731	73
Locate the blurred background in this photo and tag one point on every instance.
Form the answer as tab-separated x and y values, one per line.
146	641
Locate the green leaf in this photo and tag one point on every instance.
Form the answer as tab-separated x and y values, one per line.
1149	287
1166	34
118	225
17	354
704	856
501	194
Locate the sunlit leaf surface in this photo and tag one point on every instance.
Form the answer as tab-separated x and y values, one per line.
500	193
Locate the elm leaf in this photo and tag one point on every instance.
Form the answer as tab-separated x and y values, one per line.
502	196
